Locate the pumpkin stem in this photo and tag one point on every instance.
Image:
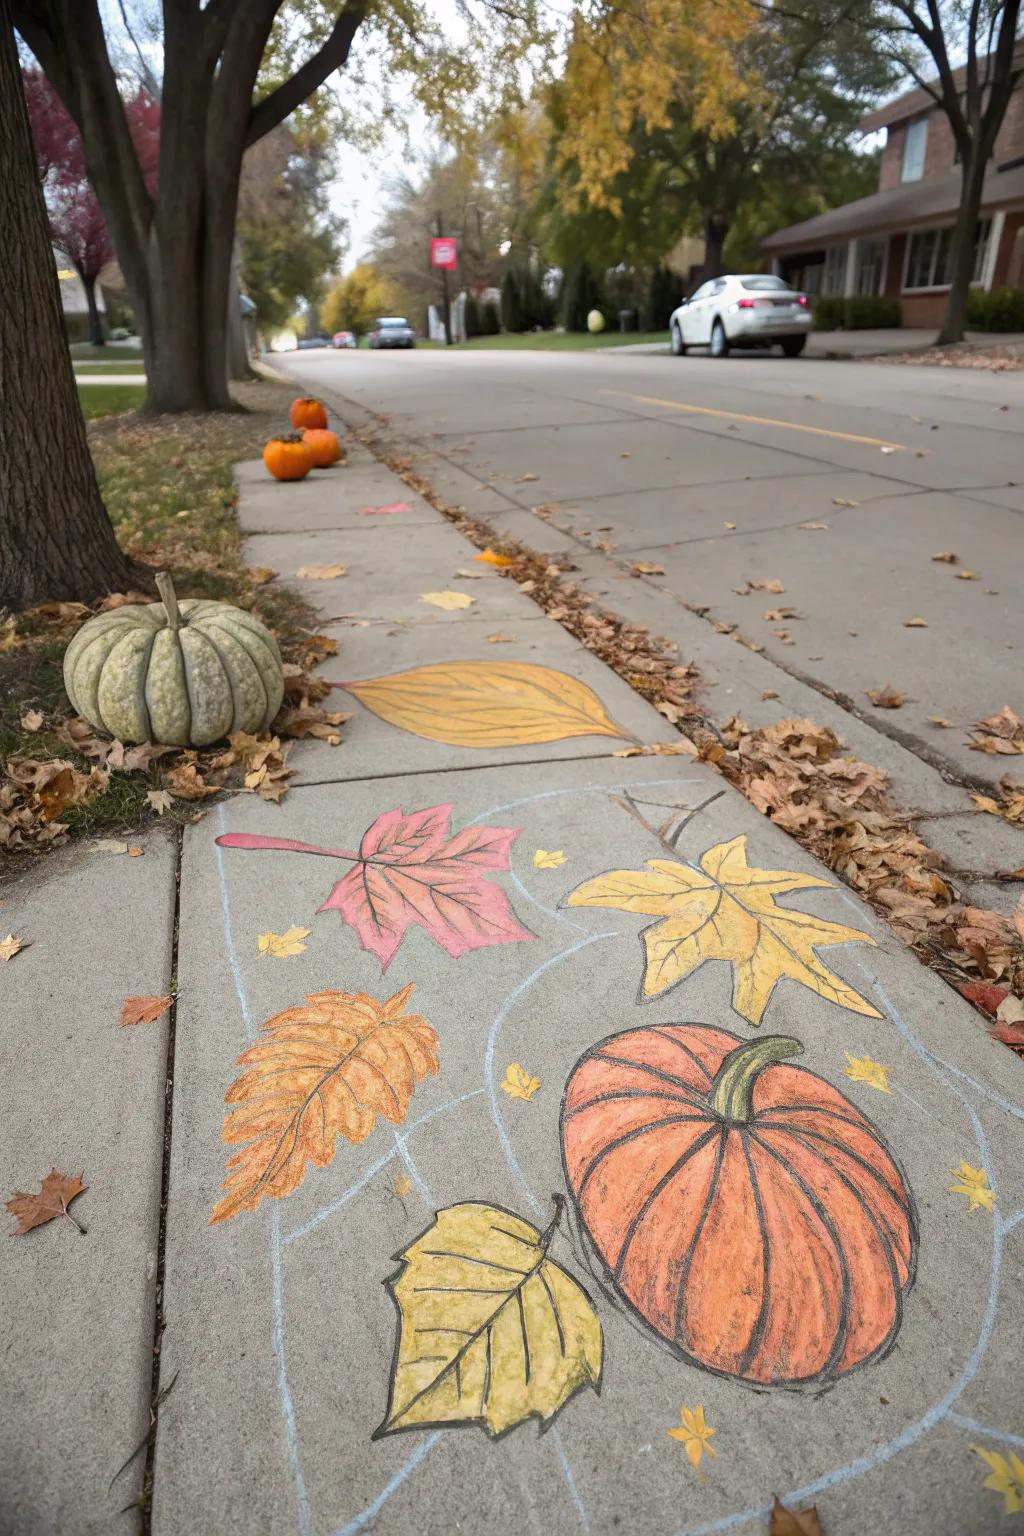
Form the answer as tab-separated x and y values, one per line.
165	586
732	1091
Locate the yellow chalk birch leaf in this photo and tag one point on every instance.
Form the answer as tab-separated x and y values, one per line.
1006	1477
518	1083
972	1182
403	1185
487	704
281	945
546	858
491	1330
725	910
695	1434
863	1070
447	600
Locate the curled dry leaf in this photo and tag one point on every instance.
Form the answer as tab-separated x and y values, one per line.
815	527
769	693
259	575
56	1193
843	501
887	697
779	615
1002	733
11	946
1010	805
968	576
794	1522
915	623
143	1010
500	639
946	556
32	721
160	800
321	572
646	568
939	720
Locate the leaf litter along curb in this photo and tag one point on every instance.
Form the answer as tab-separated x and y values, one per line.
794	772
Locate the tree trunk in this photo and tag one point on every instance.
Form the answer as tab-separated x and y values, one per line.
96	335
716	230
56	540
238	344
962	254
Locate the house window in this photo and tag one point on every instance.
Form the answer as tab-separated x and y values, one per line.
870	266
833	281
914	146
928	260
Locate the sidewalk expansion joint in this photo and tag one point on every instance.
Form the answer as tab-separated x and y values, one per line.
436	771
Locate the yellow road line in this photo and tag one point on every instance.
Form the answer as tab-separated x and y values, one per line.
760	421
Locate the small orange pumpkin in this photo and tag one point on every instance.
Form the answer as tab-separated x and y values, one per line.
747	1211
288	458
323	445
307	412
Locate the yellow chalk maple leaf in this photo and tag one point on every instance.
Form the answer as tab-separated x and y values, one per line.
547	859
281	945
725	910
863	1070
1006	1477
972	1182
518	1083
694	1434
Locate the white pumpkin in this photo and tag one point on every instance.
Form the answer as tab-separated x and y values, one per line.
181	674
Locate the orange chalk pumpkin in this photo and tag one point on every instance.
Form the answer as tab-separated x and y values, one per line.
748	1211
288	458
323	445
307	412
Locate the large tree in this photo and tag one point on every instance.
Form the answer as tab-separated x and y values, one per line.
55	537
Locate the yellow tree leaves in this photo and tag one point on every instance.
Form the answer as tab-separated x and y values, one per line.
726	910
322	1070
487	704
491	1330
695	1434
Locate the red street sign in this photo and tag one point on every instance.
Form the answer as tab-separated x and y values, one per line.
444	253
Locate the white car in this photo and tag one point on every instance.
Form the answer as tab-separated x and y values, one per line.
751	310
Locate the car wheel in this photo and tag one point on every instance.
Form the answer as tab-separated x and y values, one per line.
792	346
678	344
719	340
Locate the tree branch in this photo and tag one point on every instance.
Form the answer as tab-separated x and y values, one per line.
280	103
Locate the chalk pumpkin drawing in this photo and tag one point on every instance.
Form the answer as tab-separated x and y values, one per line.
410	870
726	910
324	1069
747	1211
491	1331
487	704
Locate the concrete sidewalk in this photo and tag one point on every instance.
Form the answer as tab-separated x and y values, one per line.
800	1282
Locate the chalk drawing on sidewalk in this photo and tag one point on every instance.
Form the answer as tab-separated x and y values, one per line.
491	1330
323	1070
724	909
410	870
487	704
746	1210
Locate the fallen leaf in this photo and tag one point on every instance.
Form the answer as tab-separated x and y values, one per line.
486	704
725	910
886	449
109	845
695	1435
915	623
794	1522
939	720
863	1070
779	615
946	556
187	783
683	748
842	501
968	576
491	557
11	946
324	1069
1010	1010
447	600
972	1182
815	527
390	510
542	859
55	1195
143	1010
281	945
410	871
771	584
646	568
259	575
160	800
320	572
494	1352
522	479
983	995
518	1083
32	720
500	639
402	1185
1006	1476
887	697
769	693
729	525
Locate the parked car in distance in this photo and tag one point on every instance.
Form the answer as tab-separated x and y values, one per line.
392	331
318	340
750	310
344	339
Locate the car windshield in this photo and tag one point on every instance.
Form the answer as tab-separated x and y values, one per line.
393	325
766	285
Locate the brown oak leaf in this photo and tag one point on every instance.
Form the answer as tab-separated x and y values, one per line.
794	1522
143	1010
55	1195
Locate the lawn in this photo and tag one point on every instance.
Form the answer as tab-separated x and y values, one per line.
110	399
113	352
561	341
110	365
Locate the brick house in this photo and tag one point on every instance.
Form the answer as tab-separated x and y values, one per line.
897	242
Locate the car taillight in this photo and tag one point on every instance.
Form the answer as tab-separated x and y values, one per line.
802	300
744	304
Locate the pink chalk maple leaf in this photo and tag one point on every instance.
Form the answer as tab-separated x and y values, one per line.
410	870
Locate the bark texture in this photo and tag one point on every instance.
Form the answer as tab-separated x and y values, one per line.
56	540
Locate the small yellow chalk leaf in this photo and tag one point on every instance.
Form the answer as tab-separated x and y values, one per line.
694	1434
281	945
544	859
447	600
518	1083
863	1070
1006	1477
403	1185
972	1182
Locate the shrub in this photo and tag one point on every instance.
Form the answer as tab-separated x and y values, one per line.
829	314
664	296
580	294
871	312
471	316
1000	310
490	319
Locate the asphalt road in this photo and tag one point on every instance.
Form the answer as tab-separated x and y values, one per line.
714	470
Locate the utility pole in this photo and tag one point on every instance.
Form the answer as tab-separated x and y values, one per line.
446	312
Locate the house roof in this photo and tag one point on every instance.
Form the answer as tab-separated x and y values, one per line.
923	202
915	101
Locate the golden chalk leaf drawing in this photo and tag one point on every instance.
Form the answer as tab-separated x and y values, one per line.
487	704
518	1083
282	945
861	1069
324	1069
972	1182
726	910
491	1330
695	1434
546	858
1006	1476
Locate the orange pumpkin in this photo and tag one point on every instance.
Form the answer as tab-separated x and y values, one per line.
307	412
288	458
323	445
747	1211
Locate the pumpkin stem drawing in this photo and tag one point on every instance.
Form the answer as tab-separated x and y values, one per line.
165	586
732	1098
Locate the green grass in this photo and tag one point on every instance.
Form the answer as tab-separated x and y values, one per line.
110	366
85	352
110	399
560	341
